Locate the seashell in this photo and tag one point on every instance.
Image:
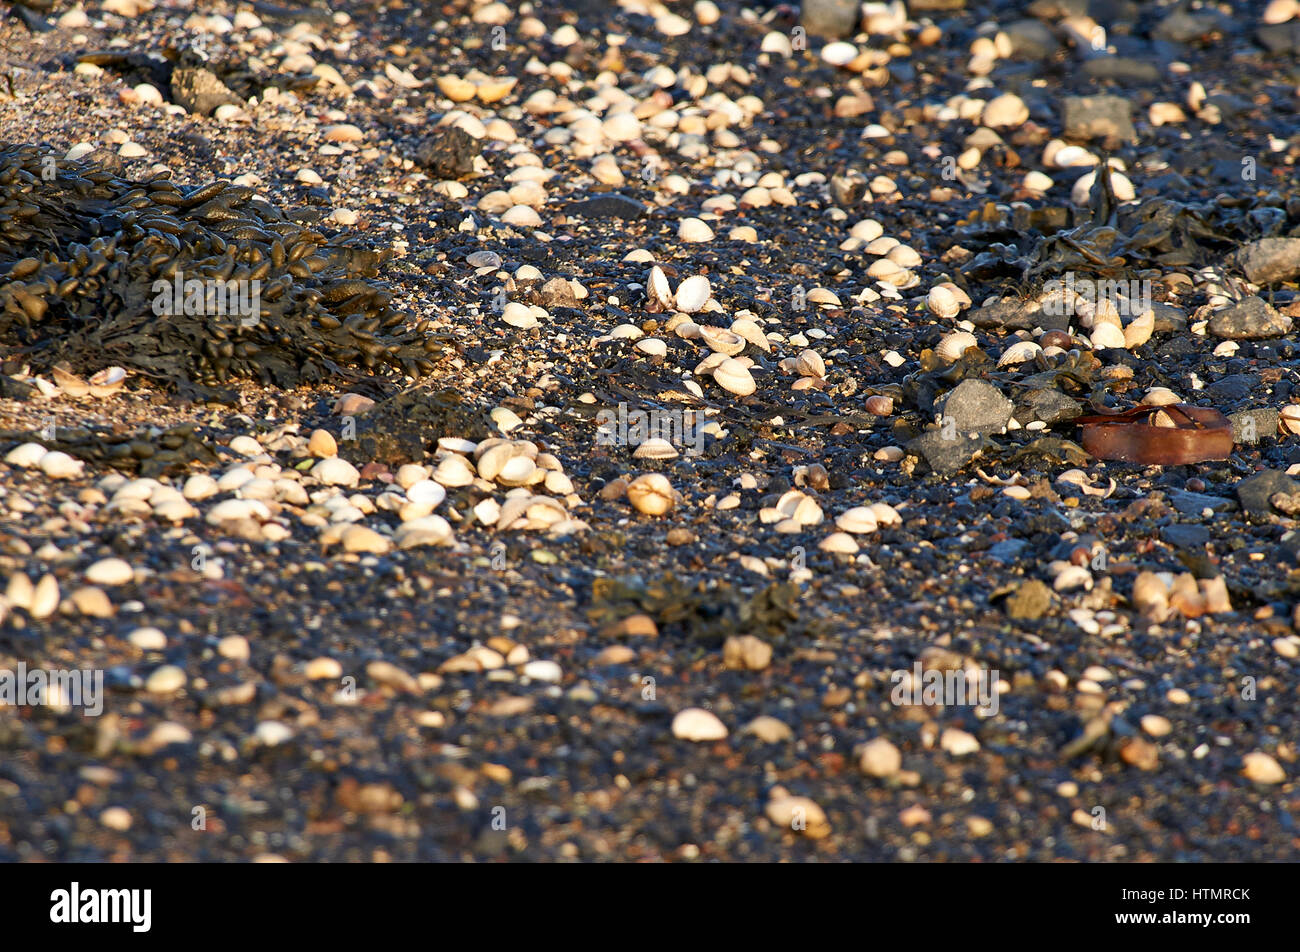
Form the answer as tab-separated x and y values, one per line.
1019	352
941	302
107	381
882	245
904	256
810	364
1056	339
26	455
822	296
657	290
517	471
882	269
454	471
1106	335
839	53
751	333
518	315
1163	418
1140	329
656	447
69	382
879	405
692	294
840	542
626	332
1105	312
734	377
859	520
1078	477
1288	419
456	89
652	347
651	494
1160	397
721	341
1072	577
494	90
886	515
687	330
953	345
1151	596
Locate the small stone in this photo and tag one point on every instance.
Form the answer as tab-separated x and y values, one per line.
1251	318
362	539
975	406
271	733
769	730
336	472
830	19
116	818
1262	768
148	639
322	444
1270	260
697	724
746	653
1255	492
958	742
1099	117
92	602
165	680
880	758
1030	601
612	205
110	572
234	647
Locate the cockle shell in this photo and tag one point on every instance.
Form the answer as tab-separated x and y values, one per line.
1019	352
734	377
953	345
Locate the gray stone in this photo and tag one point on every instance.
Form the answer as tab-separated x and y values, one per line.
1231	389
945	456
1121	69
1007	551
1169	319
974	406
1099	117
200	91
831	19
1183	27
1182	536
612	205
1049	406
1249	319
1031	39
1280	37
1270	260
1255	491
1193	504
1251	426
1030	601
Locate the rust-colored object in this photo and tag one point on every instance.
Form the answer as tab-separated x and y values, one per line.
1198	434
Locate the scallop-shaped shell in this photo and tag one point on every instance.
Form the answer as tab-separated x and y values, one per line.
710	364
823	296
1105	312
886	515
882	269
494	90
493	461
456	89
751	333
1288	419
859	520
655	448
652	347
517	471
454	471
658	292
692	294
904	256
721	341
1140	329
840	542
942	302
809	363
1161	397
629	331
651	494
1106	335
734	377
953	345
107	381
881	245
1019	352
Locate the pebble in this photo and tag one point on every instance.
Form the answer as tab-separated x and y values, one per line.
336	471
880	758
167	679
110	572
697	724
1262	768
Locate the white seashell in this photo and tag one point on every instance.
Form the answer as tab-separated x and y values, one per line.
518	315
693	294
626	332
1107	335
657	288
1140	329
942	302
1160	397
721	341
656	447
428	530
810	364
751	333
651	494
867	230
953	345
45	597
1072	577
823	296
886	515
840	542
454	471
59	465
859	520
1019	352
652	347
25	456
694	230
517	471
734	377
839	53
